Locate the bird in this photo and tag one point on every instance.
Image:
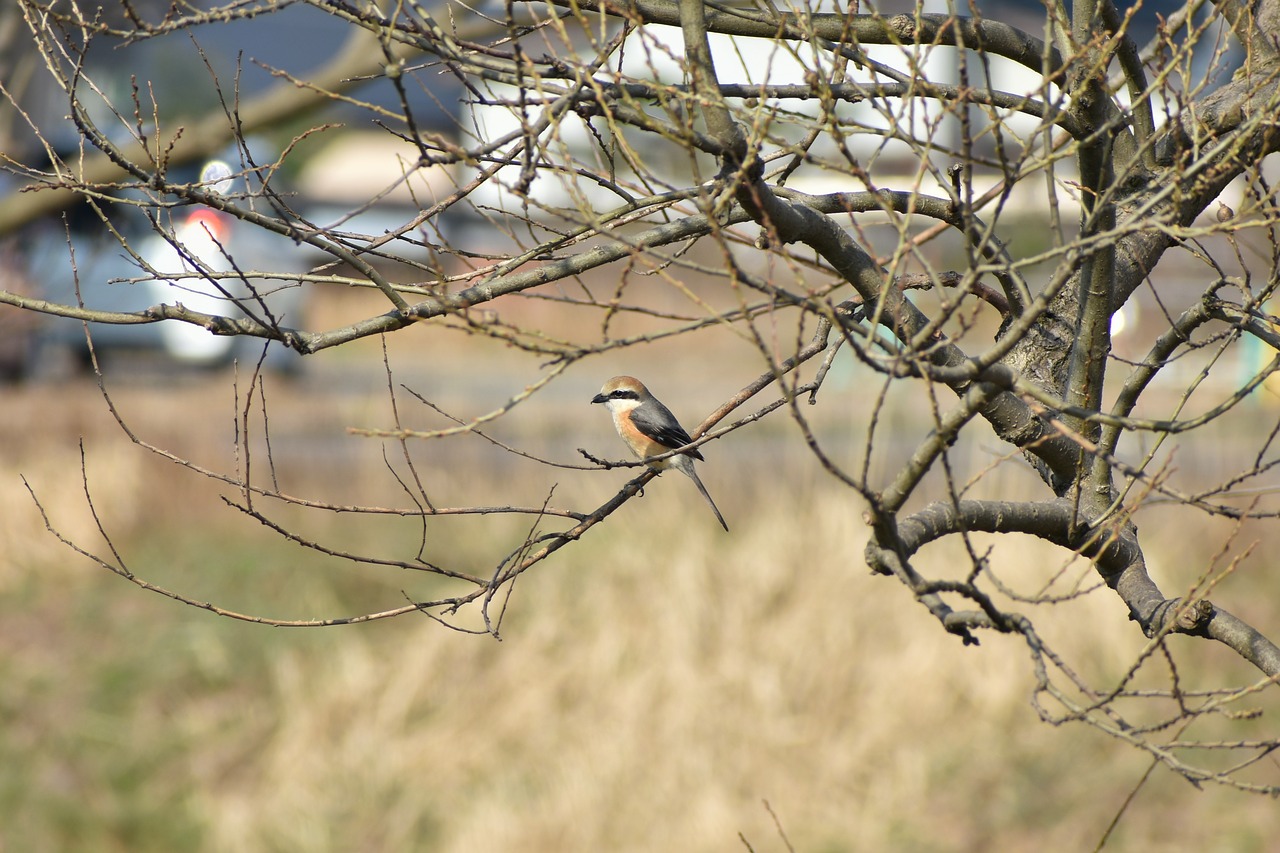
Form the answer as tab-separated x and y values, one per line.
649	429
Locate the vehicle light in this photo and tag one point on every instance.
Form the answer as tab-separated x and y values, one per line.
204	224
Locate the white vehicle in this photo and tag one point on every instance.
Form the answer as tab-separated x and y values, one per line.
201	258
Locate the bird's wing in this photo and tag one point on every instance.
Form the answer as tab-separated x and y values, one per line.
662	426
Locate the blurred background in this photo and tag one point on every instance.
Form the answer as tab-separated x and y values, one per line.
660	685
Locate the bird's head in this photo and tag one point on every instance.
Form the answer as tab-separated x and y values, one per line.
621	392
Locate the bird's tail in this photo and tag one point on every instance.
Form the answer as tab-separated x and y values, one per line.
693	475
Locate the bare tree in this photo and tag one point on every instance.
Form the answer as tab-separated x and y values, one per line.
964	209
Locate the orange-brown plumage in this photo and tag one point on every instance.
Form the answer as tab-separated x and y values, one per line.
650	429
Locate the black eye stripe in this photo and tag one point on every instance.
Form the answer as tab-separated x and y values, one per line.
623	394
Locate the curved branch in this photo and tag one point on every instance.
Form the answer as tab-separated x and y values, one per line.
949	31
1118	558
706	86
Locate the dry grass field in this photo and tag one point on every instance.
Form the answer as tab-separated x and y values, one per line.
661	686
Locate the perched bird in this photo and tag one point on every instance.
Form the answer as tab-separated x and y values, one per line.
649	429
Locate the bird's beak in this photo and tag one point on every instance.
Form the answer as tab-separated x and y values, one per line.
599	398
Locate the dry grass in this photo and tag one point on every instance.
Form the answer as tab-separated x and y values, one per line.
656	685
